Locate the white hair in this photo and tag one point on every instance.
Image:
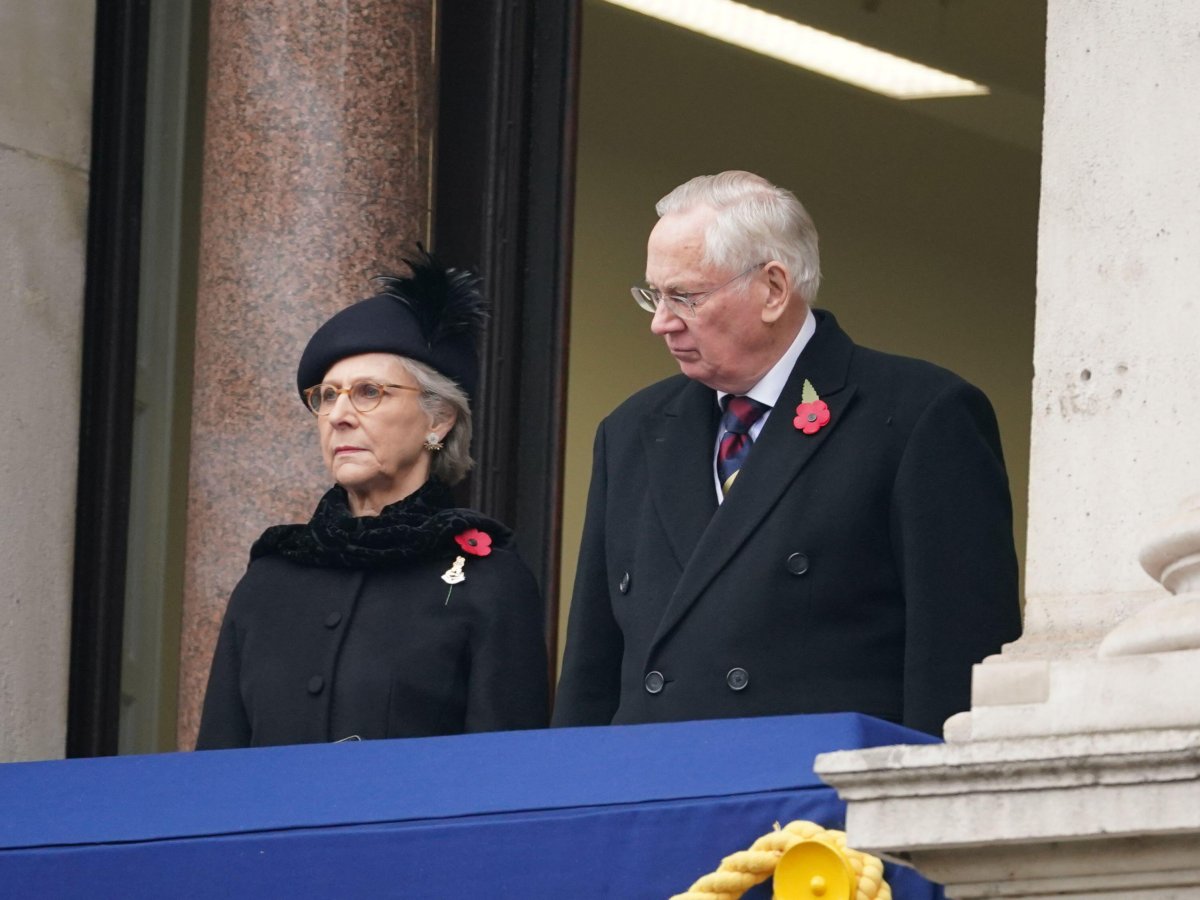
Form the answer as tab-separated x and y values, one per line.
756	222
442	399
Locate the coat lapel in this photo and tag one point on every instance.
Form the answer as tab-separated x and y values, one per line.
776	459
679	446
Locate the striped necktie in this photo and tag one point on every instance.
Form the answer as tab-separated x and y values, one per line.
740	414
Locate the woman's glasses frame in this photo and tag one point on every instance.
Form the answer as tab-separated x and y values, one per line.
364	396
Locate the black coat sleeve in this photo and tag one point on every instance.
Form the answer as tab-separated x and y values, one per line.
589	690
508	686
951	528
224	722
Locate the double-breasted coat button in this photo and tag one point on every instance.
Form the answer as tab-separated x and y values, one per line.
797	564
623	587
316	684
737	678
333	620
654	682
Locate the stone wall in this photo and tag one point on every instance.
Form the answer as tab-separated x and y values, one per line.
45	128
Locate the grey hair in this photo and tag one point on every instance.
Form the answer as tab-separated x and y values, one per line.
756	222
441	398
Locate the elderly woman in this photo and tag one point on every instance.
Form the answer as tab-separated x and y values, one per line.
392	613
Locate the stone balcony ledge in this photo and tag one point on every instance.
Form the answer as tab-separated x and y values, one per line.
1085	815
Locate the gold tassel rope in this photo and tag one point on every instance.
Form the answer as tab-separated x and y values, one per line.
744	869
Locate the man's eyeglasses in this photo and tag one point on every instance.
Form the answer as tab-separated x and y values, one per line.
683	305
364	396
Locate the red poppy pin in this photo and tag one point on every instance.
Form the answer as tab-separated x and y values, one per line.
474	542
812	414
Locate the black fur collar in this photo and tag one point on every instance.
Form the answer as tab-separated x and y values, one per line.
421	525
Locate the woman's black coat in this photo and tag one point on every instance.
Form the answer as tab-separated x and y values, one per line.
311	653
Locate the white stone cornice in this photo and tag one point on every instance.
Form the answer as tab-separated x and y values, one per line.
1103	815
973	767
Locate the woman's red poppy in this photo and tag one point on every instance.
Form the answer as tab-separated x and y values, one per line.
475	542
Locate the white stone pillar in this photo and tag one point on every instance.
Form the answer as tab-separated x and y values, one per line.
1116	397
45	129
1117	345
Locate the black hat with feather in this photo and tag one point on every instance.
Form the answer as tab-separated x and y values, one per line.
435	316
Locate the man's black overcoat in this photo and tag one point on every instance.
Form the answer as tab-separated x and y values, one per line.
864	568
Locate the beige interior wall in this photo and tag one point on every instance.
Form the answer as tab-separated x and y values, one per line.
928	227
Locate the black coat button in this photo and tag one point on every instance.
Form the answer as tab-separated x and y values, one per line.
623	587
737	679
654	682
333	620
797	564
316	684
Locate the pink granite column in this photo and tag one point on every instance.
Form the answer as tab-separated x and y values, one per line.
316	175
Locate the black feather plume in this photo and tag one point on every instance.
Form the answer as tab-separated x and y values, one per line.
446	302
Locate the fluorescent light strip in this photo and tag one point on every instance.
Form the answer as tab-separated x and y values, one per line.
808	48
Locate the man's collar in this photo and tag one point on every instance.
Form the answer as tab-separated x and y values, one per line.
771	385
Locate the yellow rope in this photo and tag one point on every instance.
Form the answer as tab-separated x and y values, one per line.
744	869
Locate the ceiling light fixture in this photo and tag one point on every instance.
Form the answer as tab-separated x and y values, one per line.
807	47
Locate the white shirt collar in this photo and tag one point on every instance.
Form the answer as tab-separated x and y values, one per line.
771	385
768	389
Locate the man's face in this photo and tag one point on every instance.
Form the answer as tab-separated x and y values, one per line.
726	346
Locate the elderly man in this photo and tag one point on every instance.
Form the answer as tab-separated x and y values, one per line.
795	524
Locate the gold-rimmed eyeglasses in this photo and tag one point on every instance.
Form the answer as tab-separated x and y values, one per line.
682	304
364	396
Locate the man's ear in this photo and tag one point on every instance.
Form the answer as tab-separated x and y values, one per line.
779	292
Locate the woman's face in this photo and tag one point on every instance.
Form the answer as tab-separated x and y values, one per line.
377	456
